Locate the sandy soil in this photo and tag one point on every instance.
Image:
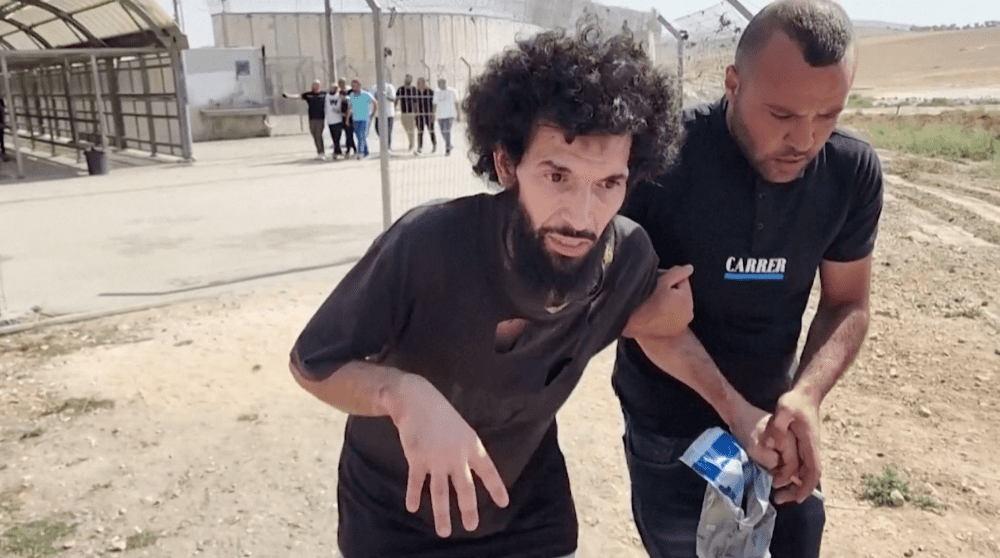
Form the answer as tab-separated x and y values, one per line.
178	431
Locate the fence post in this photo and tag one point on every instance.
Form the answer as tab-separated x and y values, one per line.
383	138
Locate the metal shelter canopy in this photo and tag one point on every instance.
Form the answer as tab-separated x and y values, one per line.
34	25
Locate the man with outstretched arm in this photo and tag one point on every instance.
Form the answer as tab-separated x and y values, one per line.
766	192
466	326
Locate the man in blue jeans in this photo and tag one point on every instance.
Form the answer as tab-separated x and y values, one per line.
363	105
765	193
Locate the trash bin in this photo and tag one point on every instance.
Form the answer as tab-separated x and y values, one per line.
97	160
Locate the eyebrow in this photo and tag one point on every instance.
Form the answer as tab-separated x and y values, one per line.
786	110
559	168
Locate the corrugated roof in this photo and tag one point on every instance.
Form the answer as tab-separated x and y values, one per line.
38	24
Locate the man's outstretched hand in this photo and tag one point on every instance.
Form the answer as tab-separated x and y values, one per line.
438	442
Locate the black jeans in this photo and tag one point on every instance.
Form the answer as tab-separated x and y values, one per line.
667	497
335	131
425	120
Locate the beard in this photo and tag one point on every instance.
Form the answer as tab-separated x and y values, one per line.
555	274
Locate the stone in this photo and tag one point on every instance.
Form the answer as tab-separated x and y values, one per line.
897	499
924	412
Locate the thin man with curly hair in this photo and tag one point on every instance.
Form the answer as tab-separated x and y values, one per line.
457	337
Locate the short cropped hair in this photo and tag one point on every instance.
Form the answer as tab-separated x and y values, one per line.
585	85
821	28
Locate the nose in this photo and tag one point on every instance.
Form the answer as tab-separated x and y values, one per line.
801	135
580	204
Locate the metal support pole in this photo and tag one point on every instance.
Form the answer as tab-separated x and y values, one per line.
71	111
331	61
98	103
180	91
383	138
741	9
114	90
12	116
49	107
27	107
681	36
144	80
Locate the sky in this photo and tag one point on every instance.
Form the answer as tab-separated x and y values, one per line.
198	25
912	12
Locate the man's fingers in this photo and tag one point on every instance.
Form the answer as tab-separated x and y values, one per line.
810	468
414	486
465	491
440	504
677	274
487	472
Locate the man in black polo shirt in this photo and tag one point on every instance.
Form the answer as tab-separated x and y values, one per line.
315	98
406	96
765	193
465	327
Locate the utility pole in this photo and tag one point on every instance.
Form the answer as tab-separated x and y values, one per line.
178	14
383	138
331	60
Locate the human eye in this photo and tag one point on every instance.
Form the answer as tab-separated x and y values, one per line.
781	115
557	177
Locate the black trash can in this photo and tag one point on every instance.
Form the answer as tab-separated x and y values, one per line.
97	160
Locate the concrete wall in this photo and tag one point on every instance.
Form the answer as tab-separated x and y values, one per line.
224	103
428	45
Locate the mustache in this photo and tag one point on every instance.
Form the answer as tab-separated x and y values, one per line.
568	232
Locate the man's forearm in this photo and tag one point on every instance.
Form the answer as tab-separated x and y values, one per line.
834	339
357	388
684	358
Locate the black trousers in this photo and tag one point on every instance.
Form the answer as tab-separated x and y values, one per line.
335	131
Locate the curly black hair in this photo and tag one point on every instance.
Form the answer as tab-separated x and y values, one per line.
584	84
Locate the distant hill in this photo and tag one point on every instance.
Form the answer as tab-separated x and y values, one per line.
873	28
866	23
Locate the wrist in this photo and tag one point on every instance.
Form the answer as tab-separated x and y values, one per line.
733	409
393	395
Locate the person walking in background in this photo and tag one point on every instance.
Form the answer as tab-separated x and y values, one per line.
315	98
349	145
446	111
390	113
363	104
336	108
425	115
406	96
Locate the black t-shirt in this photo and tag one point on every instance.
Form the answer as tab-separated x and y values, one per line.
407	95
425	102
317	104
755	247
426	299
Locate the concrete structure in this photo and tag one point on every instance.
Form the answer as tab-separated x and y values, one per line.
226	93
428	38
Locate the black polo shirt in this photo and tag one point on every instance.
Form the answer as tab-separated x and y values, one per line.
407	95
756	247
317	104
426	299
425	102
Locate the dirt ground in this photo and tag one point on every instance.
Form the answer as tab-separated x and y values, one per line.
178	431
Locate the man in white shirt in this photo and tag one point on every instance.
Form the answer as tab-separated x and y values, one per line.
336	108
446	111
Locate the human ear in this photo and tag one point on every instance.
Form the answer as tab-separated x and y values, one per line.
732	83
504	167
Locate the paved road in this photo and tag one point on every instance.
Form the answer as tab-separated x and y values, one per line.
245	210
